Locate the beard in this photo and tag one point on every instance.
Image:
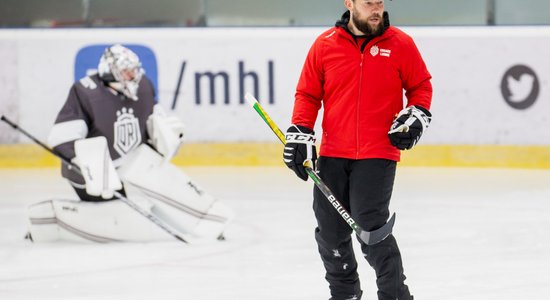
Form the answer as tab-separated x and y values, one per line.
366	28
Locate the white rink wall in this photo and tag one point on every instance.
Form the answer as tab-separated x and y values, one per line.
468	65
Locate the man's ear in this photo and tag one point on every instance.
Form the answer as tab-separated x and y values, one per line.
347	4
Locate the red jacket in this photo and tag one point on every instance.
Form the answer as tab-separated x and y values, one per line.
361	92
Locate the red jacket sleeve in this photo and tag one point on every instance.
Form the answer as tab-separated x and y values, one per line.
309	92
415	77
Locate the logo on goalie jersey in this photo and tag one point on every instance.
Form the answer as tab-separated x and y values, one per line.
127	133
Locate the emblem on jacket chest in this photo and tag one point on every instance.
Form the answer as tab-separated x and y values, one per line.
374	50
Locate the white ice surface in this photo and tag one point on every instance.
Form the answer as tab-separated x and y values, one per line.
474	234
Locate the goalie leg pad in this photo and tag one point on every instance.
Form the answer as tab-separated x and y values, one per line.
80	221
215	221
42	222
177	199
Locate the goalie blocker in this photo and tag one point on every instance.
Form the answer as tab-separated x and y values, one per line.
96	167
155	185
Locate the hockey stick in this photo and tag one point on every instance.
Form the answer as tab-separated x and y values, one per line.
369	237
117	195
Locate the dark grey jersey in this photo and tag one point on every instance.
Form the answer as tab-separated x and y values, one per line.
92	109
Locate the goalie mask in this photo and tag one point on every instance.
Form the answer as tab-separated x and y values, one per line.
121	69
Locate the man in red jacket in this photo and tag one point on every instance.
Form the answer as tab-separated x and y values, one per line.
357	71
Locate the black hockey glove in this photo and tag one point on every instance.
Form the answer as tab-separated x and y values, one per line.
408	126
300	146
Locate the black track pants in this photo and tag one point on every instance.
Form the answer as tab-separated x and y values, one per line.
364	188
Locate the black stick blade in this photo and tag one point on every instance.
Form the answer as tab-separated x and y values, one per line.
378	235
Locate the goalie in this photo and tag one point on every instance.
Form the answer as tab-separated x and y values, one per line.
111	128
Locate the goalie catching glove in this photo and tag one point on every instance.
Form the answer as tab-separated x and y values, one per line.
408	126
165	132
95	164
299	147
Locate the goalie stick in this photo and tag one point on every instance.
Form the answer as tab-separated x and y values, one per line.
117	195
369	237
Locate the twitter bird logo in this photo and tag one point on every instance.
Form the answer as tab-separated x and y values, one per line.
520	87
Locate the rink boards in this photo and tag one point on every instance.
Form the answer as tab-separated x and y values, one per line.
491	93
